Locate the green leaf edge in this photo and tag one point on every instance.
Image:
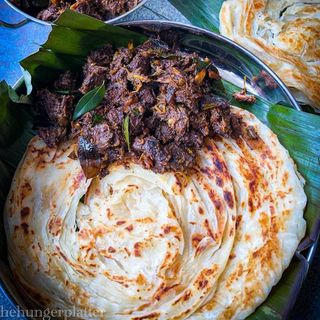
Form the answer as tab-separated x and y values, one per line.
89	101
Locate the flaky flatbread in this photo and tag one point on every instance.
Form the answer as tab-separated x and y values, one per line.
285	35
141	245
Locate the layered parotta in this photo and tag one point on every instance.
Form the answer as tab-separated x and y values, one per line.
285	34
141	245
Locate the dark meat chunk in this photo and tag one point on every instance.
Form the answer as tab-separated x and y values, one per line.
52	13
82	124
236	125
94	77
188	62
112	155
120	77
179	121
99	9
192	139
53	135
188	97
200	122
122	57
269	81
151	121
56	113
147	96
169	94
59	109
102	57
243	96
86	7
220	121
166	96
181	158
117	7
113	6
176	117
96	70
217	110
136	126
103	136
114	117
149	146
140	64
117	94
66	82
164	133
81	6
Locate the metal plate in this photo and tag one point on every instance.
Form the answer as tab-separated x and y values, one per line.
29	17
234	62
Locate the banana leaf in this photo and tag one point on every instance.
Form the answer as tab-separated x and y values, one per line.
201	13
68	45
299	132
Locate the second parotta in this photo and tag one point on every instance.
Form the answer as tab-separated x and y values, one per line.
285	34
141	245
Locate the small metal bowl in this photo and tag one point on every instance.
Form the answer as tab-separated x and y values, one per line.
29	17
233	62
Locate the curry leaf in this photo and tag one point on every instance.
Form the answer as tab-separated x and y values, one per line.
200	64
136	111
126	130
89	101
96	119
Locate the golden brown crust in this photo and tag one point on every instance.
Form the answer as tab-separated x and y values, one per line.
208	245
285	35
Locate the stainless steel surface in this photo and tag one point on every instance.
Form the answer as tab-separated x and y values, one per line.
232	60
34	19
14	25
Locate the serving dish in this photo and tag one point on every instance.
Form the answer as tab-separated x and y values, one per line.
29	17
233	63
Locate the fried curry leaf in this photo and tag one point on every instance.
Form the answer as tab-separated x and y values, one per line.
126	130
213	72
89	101
135	111
89	157
200	64
96	119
